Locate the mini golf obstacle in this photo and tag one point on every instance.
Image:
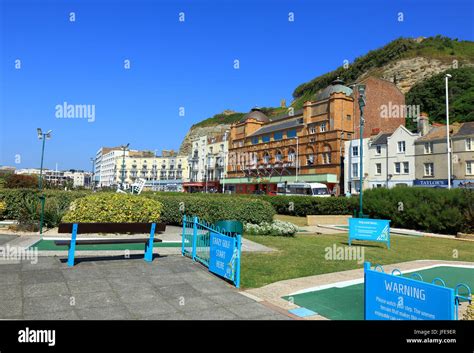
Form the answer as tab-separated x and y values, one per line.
218	247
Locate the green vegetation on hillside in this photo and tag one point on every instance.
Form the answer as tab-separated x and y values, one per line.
220	119
223	118
430	95
438	47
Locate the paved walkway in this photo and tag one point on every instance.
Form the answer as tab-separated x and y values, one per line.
169	288
274	292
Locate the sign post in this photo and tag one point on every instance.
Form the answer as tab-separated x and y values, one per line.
369	229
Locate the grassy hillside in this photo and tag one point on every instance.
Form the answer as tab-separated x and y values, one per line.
438	47
430	95
231	118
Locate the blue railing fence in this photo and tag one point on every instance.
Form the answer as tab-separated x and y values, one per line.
196	238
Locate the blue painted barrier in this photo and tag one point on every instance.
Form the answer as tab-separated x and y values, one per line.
213	247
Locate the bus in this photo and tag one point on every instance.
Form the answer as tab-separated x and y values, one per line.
303	189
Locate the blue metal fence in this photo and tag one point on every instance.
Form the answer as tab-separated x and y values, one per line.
196	243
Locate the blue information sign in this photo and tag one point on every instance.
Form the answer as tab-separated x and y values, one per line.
369	229
224	257
390	297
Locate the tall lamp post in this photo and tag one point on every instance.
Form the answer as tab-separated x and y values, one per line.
447	77
42	197
93	173
297	164
124	148
361	89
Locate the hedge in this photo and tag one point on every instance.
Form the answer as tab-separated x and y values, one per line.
24	205
432	210
114	208
213	209
425	209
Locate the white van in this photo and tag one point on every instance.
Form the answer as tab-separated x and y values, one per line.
303	189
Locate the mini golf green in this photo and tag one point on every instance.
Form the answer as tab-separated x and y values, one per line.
347	303
49	245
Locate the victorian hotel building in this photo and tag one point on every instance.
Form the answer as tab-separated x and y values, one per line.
307	145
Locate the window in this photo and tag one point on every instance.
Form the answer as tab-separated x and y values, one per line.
469	167
291	133
428	147
378	149
397	167
322	127
278	136
312	129
348	117
469	144
378	168
255	140
406	168
266	158
291	155
349	136
355	170
327	158
278	156
401	147
429	169
355	151
266	138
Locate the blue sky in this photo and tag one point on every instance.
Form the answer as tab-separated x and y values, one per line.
177	64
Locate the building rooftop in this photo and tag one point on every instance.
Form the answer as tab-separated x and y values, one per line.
381	139
257	114
465	129
272	127
337	86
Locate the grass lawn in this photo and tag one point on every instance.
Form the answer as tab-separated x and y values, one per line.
304	255
298	221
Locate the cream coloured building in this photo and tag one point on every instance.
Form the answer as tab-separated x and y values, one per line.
161	173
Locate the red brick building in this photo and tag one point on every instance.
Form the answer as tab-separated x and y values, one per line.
307	145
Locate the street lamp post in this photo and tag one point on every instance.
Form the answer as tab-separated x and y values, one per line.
361	89
124	148
42	197
447	77
297	158
93	174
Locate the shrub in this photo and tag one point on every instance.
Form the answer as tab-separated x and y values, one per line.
213	208
115	208
276	228
15	200
15	181
425	209
308	205
3	207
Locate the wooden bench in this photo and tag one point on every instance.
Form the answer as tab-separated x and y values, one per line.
120	228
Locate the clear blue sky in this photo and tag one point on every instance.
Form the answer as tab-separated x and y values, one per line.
175	64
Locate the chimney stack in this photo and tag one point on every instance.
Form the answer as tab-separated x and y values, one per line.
423	124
